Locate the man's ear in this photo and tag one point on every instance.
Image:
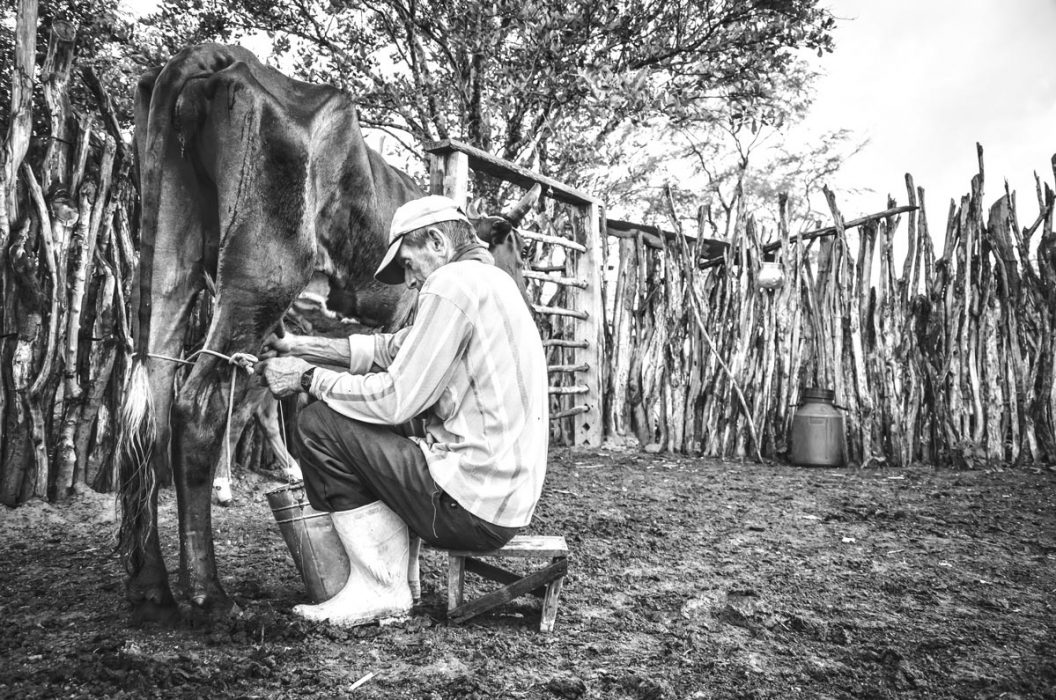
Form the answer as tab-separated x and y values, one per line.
437	239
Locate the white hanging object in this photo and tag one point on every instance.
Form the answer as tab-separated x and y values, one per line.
771	275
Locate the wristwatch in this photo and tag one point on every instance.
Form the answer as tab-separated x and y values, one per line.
306	379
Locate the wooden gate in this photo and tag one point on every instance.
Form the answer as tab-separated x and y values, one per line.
575	341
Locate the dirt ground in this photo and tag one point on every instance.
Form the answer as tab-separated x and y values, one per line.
688	578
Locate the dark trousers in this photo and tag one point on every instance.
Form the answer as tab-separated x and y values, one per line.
348	464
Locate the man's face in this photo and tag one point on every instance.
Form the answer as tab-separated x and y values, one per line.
419	261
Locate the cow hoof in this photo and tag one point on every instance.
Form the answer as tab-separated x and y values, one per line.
153	603
148	611
216	605
208	613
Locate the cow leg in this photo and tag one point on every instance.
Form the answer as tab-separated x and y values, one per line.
258	404
148	587
225	459
244	317
197	434
268	418
148	584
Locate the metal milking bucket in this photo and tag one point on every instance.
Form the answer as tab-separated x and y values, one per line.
310	535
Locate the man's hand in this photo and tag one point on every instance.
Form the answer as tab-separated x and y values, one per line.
315	349
274	345
282	375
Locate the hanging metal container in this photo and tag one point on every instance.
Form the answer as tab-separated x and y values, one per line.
771	275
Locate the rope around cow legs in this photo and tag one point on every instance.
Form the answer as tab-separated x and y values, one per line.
246	361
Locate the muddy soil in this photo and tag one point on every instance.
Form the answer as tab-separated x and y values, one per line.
688	579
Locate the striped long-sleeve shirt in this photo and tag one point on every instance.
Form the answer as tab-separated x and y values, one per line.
473	356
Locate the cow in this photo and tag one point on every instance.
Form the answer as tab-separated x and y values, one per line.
249	181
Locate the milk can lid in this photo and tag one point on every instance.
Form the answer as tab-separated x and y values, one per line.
827	395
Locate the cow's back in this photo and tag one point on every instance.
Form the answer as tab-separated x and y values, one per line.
240	123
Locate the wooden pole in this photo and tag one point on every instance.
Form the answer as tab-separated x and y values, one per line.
589	428
102	215
35	393
21	124
863	421
55	76
16	143
449	176
622	334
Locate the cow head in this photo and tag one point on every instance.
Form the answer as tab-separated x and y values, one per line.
504	242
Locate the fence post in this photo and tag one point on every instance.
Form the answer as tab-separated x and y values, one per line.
588	428
449	175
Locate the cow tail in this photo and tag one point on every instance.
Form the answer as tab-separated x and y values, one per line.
137	480
137	423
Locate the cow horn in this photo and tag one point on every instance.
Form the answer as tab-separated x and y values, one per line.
517	212
473	210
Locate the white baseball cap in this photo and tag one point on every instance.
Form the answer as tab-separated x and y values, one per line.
411	216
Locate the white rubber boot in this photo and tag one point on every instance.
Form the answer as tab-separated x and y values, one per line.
376	541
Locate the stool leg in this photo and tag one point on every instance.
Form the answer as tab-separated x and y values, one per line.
553	593
414	577
456	578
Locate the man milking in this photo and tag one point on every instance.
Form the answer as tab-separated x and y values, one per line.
473	362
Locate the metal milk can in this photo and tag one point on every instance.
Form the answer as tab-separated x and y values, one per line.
818	437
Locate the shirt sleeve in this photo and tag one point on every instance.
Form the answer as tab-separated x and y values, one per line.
424	361
387	346
377	350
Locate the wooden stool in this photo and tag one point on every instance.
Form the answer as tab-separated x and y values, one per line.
545	582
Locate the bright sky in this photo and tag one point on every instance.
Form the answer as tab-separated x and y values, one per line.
924	80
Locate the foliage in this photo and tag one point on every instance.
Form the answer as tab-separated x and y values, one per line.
105	43
539	83
720	156
704	86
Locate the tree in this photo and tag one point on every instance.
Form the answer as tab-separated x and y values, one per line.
720	157
105	43
539	83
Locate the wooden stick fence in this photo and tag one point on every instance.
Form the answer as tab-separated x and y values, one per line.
67	263
945	358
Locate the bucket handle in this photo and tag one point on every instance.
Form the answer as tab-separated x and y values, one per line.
309	516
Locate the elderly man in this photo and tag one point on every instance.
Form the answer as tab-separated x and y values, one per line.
473	363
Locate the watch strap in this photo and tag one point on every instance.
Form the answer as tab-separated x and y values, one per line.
306	379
